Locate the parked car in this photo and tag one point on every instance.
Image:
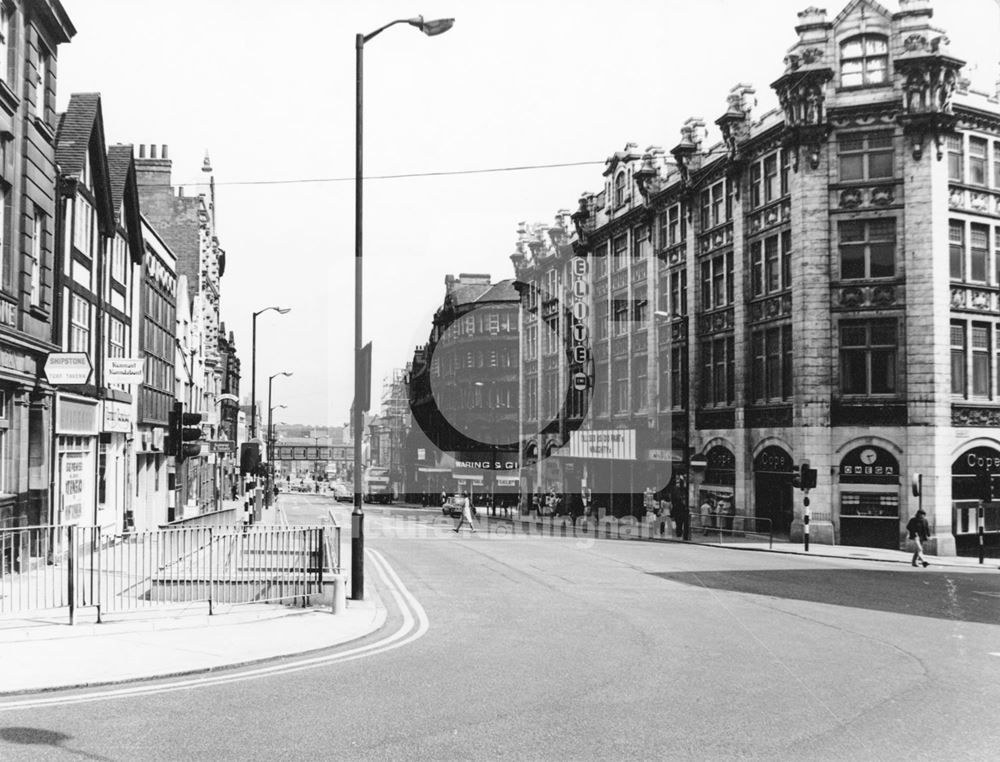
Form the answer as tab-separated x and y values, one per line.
452	507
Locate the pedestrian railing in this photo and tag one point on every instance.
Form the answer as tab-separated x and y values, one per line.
732	528
332	538
71	567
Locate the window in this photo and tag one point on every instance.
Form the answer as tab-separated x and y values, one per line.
718	365
868	356
996	165
977	161
956	249
552	335
639	376
756	189
771	364
621	397
640	306
981	360
865	155
37	247
867	248
677	227
601	319
620	189
678	292
5	41
717	282
118	259
678	377
663	398
601	389
41	83
661	230
956	158
640	242
864	60
601	260
786	166
79	326
958	355
770	178
712	201
5	236
979	249
620	258
621	316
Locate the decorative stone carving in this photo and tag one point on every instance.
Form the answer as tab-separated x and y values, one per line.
930	77
850	198
811	55
979	202
974	416
801	94
883	295
980	300
686	152
958	297
852	297
956	197
882	196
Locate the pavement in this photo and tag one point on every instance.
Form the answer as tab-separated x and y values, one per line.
46	653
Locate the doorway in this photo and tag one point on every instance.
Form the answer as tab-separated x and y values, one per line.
773	492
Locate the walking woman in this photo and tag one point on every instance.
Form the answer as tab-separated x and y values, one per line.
466	516
919	531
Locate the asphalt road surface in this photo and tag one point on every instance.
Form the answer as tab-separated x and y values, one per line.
573	649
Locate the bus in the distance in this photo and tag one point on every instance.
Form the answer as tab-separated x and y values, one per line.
376	485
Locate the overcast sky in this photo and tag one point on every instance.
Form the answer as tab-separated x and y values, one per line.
268	89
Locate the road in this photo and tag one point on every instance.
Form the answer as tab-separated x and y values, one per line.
564	649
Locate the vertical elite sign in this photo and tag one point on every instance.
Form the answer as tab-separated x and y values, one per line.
580	353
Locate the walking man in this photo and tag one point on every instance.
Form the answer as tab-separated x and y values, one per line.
919	531
466	512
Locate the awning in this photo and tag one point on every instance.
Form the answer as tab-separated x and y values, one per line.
472	478
507	481
423	470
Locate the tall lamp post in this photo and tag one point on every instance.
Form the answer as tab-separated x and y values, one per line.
253	366
270	465
272	439
430	28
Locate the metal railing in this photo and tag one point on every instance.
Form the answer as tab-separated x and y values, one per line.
70	567
732	527
333	559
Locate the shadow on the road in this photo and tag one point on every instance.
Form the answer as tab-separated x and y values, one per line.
962	597
43	737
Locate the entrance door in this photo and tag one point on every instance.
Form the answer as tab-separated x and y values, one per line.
773	498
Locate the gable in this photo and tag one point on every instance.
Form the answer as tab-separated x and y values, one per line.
862	8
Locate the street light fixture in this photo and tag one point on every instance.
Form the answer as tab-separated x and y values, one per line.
430	28
270	463
253	366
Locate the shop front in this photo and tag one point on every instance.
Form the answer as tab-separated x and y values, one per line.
975	480
773	492
114	466
869	483
717	493
604	467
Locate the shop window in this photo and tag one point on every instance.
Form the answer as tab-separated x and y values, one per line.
864	61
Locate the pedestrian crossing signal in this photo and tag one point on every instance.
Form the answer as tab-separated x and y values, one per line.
184	431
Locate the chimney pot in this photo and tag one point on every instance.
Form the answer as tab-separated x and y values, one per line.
142	150
152	150
163	153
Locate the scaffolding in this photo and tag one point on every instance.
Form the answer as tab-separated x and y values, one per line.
394	418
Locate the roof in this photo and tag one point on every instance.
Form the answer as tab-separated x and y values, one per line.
119	162
503	291
75	128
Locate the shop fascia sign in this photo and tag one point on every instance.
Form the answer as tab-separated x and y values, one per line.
68	368
124	370
606	444
497	465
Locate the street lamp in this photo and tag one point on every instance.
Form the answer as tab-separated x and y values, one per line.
271	438
253	366
430	28
270	466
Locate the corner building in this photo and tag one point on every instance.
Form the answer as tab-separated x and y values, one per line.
821	285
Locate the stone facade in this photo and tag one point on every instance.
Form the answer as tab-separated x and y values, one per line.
822	285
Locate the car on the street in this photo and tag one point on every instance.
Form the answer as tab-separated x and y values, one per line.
341	492
452	507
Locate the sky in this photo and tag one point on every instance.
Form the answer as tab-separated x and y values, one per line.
268	90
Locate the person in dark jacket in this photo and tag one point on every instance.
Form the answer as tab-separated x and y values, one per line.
919	531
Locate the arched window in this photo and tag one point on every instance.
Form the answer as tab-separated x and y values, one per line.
864	60
620	189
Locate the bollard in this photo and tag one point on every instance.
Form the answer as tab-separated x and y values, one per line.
339	593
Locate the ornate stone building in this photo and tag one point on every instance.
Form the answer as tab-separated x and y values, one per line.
822	285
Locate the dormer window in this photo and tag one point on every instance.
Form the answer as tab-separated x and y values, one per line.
864	61
620	189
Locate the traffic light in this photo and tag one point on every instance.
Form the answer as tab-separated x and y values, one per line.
249	457
184	431
808	476
796	480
